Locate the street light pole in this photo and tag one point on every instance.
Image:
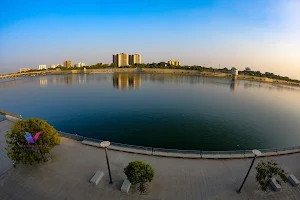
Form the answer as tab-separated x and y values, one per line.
105	144
256	153
110	180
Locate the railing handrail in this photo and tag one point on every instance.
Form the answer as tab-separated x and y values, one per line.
81	138
11	114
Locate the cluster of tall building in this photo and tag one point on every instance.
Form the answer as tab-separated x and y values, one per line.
67	63
123	59
119	60
174	63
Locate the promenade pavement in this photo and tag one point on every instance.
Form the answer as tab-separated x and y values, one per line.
5	162
72	165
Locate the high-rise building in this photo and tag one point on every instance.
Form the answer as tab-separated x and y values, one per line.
80	64
135	59
174	63
121	59
68	63
41	67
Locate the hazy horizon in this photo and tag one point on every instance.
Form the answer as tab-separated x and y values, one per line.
262	34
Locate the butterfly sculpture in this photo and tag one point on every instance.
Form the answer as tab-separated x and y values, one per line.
31	139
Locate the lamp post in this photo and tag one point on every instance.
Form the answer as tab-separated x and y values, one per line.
105	144
256	153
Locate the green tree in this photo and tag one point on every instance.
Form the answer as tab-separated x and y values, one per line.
113	65
140	173
20	151
267	170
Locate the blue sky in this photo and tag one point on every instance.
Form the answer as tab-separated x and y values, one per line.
263	34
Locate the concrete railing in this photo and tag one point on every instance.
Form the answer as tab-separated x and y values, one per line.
9	115
181	153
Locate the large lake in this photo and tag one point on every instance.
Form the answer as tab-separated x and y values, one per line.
167	111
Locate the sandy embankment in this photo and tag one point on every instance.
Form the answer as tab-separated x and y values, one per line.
178	71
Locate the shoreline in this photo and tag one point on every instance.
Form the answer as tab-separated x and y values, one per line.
165	71
177	72
176	153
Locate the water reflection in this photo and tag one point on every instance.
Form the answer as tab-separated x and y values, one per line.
254	85
68	80
126	81
4	83
61	80
82	79
77	78
43	81
134	80
233	85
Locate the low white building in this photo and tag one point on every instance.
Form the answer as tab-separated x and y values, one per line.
54	66
80	64
234	73
41	67
24	69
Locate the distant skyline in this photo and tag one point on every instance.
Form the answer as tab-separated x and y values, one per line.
262	34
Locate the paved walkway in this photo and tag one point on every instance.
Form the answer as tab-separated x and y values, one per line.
73	164
5	162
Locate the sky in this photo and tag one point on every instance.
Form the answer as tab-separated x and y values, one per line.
262	34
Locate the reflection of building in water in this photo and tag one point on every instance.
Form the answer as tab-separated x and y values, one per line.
60	80
68	80
233	85
125	81
82	79
43	82
137	83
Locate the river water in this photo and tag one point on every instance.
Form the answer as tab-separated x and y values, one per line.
167	111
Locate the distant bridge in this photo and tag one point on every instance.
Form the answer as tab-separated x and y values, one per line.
15	75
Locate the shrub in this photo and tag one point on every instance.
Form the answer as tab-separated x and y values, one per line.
267	170
19	150
140	173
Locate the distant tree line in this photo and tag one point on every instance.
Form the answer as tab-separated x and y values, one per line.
268	75
164	65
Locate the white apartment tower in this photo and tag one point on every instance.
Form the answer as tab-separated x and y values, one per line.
41	67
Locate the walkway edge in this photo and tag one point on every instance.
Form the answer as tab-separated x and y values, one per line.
199	155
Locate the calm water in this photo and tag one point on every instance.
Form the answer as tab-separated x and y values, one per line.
168	111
